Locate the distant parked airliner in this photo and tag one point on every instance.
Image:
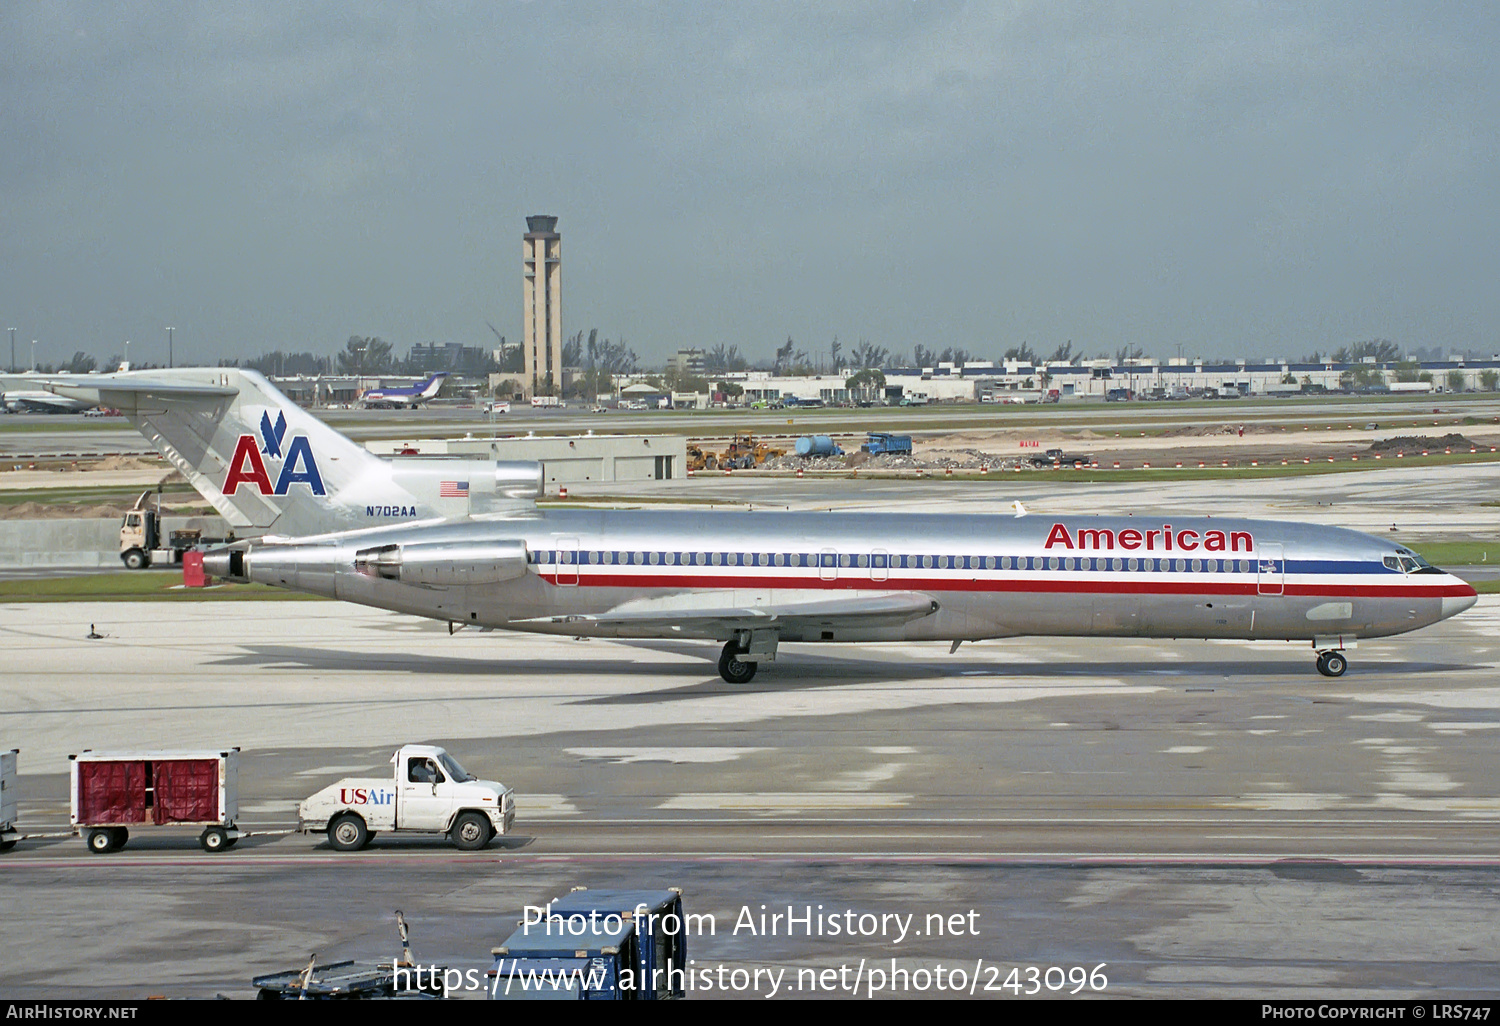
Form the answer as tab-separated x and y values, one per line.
403	398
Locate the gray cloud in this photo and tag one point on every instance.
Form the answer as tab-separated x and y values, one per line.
1231	177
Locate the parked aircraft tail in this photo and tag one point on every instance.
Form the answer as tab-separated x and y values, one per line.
265	463
430	388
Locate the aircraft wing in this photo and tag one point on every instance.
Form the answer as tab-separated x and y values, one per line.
851	612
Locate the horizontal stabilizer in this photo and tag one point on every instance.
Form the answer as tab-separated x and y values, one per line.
118	393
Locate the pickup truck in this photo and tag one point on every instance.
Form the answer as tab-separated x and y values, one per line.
1058	458
428	792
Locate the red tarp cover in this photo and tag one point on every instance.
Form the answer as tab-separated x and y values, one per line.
187	791
111	792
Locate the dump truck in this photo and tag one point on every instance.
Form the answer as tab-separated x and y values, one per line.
428	792
113	791
8	800
141	542
878	442
590	945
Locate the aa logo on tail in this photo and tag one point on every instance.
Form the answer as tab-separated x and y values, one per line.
248	466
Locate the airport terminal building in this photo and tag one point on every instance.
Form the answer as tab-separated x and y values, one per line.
977	380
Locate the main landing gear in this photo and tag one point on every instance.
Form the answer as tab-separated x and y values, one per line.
1332	664
747	650
732	667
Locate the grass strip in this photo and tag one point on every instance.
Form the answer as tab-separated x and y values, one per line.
138	586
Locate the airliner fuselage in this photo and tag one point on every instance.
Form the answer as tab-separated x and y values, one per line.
642	574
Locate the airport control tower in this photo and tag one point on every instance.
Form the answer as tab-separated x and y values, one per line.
541	291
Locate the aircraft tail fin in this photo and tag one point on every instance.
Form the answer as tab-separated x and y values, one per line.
259	458
265	463
432	385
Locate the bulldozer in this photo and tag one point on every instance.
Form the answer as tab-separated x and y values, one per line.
697	459
745	453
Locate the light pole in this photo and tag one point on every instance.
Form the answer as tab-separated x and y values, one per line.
12	365
127	354
169	345
33	356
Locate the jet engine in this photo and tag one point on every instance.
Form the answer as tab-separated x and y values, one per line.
444	564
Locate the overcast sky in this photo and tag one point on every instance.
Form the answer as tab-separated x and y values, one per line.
1233	178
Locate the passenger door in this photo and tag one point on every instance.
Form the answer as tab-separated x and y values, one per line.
1270	566
828	565
567	561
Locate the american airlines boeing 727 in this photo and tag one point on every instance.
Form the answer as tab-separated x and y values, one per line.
463	541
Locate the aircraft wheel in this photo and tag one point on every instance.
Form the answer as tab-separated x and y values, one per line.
732	668
348	832
1332	664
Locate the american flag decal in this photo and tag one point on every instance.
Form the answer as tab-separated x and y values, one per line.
453	490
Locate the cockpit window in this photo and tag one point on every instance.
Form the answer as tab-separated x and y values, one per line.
1408	562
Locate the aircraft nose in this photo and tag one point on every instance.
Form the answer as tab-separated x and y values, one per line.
1455	604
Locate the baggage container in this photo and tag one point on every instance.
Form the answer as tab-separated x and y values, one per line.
606	945
113	791
8	833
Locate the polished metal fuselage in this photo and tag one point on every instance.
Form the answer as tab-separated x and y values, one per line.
991	576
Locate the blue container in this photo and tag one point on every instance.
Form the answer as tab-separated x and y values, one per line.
817	445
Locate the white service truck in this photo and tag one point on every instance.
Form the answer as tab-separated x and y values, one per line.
428	792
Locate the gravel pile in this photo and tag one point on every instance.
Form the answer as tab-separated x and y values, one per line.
939	460
1408	443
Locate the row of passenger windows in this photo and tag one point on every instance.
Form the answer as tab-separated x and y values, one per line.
882	560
